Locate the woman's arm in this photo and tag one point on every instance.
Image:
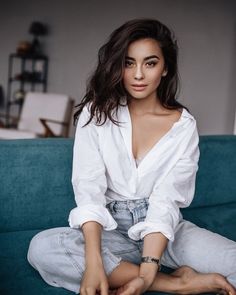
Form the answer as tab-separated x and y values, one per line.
91	215
94	278
89	177
154	246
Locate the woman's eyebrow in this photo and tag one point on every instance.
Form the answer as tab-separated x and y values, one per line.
146	58
151	56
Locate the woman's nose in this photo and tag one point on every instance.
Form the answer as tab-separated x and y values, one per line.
138	75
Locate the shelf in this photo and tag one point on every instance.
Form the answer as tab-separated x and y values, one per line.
30	72
17	102
34	81
29	56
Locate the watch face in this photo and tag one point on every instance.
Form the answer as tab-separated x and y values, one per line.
149	259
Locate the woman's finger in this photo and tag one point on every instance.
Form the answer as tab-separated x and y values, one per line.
90	291
128	291
104	289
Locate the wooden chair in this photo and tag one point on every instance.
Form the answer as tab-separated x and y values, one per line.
42	115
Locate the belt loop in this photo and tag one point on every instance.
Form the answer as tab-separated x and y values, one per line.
111	206
134	215
131	205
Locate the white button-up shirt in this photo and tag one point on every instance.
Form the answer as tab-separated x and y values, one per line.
104	170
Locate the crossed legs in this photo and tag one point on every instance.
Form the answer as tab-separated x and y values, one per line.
58	255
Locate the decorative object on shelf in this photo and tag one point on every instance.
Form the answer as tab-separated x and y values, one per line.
18	96
24	47
37	29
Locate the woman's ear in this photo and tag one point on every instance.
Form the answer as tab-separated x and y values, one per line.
164	73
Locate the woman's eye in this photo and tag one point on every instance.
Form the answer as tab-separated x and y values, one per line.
151	64
128	64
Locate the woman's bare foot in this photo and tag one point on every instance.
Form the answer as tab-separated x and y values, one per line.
192	282
184	280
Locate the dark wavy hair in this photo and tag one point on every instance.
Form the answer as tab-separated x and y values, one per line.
105	90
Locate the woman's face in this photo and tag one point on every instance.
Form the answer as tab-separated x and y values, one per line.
144	69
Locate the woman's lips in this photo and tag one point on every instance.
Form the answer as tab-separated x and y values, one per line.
140	87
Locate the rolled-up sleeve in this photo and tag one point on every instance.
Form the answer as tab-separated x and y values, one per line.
88	178
174	192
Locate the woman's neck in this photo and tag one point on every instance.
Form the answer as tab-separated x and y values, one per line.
145	106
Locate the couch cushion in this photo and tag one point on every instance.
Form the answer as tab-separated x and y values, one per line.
16	274
35	182
220	218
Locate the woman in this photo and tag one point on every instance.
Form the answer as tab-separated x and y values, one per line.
135	161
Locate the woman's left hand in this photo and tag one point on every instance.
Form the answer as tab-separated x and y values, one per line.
134	287
140	284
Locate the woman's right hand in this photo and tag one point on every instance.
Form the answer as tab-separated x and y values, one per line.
94	281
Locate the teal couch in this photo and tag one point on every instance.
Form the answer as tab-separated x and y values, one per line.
36	194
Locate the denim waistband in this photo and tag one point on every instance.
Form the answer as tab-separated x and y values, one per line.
128	204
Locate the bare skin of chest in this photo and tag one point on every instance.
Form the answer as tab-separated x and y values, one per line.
148	129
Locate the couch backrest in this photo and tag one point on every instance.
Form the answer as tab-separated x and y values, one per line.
36	190
35	186
214	204
216	178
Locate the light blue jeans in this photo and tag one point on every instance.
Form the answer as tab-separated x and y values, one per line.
58	254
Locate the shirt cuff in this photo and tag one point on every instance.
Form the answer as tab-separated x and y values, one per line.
141	229
79	215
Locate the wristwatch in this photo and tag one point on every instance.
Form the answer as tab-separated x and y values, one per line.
149	259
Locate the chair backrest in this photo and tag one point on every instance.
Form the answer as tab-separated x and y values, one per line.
38	105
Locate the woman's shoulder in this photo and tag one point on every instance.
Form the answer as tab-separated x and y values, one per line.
87	116
84	117
174	115
183	121
179	114
182	114
84	114
186	113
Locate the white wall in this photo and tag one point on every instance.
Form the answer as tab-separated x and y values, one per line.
205	30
